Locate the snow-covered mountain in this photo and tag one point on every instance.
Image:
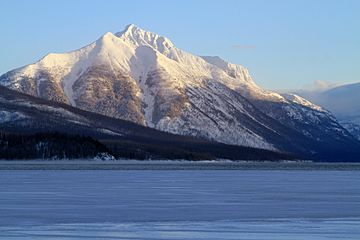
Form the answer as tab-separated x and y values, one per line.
343	101
140	76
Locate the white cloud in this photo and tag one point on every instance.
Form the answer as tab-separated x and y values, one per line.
318	86
321	85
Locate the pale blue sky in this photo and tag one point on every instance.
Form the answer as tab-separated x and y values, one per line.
285	44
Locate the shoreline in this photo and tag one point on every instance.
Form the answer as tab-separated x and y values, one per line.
173	165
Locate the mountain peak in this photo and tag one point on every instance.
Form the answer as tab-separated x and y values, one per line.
140	37
130	28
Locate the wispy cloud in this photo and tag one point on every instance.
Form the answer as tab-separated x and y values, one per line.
316	86
321	85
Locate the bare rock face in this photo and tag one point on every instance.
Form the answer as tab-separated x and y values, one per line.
139	76
109	93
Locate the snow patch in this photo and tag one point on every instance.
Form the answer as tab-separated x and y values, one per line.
7	116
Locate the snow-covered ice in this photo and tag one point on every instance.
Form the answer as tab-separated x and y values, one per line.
180	204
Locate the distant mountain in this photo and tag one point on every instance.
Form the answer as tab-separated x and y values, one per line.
343	101
142	77
23	116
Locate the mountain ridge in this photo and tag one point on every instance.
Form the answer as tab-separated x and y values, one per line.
342	101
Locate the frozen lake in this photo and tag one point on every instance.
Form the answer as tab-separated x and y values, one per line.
170	204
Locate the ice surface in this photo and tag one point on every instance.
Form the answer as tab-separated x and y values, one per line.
180	204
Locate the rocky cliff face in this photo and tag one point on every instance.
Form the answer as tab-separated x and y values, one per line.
142	77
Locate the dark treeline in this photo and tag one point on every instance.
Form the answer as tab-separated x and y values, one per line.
131	149
145	148
55	145
48	146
